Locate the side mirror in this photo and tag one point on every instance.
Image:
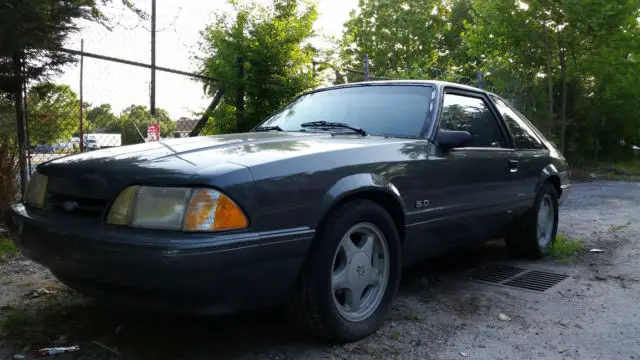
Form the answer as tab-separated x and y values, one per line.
449	139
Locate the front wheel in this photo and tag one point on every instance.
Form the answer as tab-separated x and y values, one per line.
536	233
352	275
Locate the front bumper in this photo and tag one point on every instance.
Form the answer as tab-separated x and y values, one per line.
163	270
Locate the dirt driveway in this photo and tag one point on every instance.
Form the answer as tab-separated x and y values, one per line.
442	313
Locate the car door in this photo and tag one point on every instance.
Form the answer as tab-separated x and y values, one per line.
470	187
531	154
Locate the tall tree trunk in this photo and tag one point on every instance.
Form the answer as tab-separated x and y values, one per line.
240	125
550	84
20	119
563	111
563	106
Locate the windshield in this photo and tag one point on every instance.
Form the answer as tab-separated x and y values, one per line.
379	110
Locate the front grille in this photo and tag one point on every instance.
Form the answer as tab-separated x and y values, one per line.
75	206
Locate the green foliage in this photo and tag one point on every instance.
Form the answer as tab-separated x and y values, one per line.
618	228
565	248
13	321
569	65
31	29
401	38
8	157
7	249
133	122
261	60
224	121
409	39
99	118
54	113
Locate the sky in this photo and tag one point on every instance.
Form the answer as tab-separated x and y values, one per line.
178	25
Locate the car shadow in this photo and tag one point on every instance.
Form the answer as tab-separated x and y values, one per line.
146	335
453	265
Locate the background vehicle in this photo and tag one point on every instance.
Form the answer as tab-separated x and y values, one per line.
321	205
42	149
96	141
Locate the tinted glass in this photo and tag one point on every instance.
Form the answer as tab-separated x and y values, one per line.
523	136
470	114
379	110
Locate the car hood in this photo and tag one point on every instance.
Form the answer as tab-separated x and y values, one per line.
197	154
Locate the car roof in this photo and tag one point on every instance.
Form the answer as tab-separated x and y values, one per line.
436	83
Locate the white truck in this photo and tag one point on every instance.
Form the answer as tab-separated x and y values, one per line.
97	141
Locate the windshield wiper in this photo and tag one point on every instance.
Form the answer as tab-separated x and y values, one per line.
268	128
334	124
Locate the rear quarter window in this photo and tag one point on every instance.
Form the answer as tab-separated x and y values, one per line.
523	136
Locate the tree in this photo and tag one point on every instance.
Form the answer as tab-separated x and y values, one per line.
402	39
567	44
31	32
53	113
132	124
99	118
8	157
261	59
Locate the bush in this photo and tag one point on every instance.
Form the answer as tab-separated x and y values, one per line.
9	176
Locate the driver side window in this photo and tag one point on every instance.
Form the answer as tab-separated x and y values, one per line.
465	113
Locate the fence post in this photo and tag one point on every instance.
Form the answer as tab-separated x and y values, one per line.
152	99
81	94
366	67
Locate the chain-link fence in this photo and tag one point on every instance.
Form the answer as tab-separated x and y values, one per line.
61	122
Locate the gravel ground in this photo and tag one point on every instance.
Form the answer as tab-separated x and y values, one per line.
440	313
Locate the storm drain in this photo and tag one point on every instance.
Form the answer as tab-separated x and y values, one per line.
536	280
512	276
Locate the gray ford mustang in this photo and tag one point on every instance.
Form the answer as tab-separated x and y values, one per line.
320	206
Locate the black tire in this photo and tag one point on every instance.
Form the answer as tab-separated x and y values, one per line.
523	240
312	307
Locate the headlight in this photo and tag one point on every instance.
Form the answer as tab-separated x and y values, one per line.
36	190
174	208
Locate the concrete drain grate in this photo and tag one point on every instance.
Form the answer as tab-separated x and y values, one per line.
512	276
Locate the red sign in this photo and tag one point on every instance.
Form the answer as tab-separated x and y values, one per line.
153	132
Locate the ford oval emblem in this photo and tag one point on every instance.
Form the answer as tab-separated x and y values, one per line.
70	205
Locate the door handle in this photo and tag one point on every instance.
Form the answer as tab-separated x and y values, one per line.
513	166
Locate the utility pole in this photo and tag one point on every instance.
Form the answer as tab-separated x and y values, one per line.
366	67
153	60
81	93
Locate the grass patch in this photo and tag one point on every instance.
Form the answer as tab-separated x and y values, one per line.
565	248
15	321
41	322
618	177
617	228
616	171
7	249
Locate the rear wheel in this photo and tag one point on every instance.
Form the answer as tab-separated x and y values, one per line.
349	282
536	234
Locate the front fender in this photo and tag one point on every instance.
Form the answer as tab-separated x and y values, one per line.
547	172
561	173
351	185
